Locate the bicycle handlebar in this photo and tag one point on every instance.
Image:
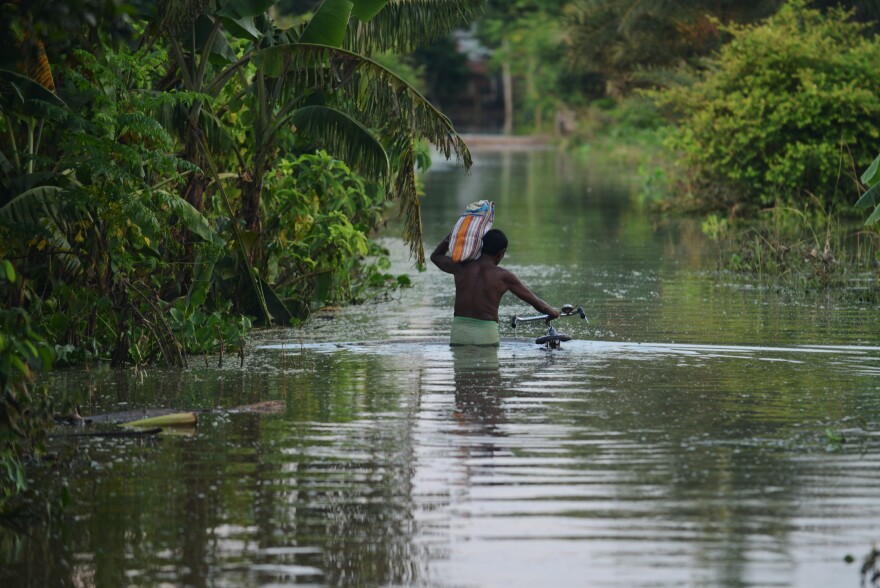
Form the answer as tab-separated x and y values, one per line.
567	310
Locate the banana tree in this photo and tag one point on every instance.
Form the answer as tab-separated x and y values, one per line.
319	83
24	107
324	83
29	193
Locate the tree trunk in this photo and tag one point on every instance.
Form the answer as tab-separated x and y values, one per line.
507	88
250	206
194	191
249	212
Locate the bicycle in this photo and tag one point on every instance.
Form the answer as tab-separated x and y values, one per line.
552	339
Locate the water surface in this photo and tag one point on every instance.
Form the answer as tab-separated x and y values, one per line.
697	432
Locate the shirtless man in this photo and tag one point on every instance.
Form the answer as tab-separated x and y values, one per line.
479	286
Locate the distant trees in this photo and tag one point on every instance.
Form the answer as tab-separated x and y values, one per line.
864	11
622	38
527	51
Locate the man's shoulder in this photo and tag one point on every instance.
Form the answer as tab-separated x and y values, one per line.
499	275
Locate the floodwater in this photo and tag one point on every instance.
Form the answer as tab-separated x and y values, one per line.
697	432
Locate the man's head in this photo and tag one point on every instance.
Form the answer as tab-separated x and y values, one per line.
494	243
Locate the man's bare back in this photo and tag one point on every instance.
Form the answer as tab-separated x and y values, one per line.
480	284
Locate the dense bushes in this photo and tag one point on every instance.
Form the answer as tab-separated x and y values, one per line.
118	266
102	241
25	409
321	215
789	108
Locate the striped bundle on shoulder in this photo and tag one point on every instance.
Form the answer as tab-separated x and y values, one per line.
467	235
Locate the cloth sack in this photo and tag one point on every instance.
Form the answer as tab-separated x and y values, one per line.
466	242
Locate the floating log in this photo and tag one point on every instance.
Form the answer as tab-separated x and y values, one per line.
146	416
145	433
115	418
179	419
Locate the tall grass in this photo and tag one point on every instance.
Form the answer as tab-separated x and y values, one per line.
808	251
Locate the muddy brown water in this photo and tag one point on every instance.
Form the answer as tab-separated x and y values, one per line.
697	432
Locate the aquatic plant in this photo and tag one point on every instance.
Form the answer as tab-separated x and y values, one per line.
799	251
870	571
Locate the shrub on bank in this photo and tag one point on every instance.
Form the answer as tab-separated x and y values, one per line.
789	108
321	216
25	409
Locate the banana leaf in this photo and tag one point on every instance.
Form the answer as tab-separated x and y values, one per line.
328	25
364	10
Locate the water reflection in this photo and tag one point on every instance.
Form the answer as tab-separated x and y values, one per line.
478	388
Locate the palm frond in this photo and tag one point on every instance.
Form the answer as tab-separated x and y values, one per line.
405	25
381	101
378	94
20	93
345	138
174	118
192	219
31	206
406	191
36	211
329	23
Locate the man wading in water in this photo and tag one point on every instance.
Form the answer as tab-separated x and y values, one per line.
479	286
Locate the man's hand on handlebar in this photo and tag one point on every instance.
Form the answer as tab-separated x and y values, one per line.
552	313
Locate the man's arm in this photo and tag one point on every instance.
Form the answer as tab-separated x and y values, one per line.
441	260
523	293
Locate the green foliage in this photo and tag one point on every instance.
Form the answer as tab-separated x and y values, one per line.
788	107
203	332
318	84
625	135
25	408
102	242
525	37
135	194
536	54
322	214
106	184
